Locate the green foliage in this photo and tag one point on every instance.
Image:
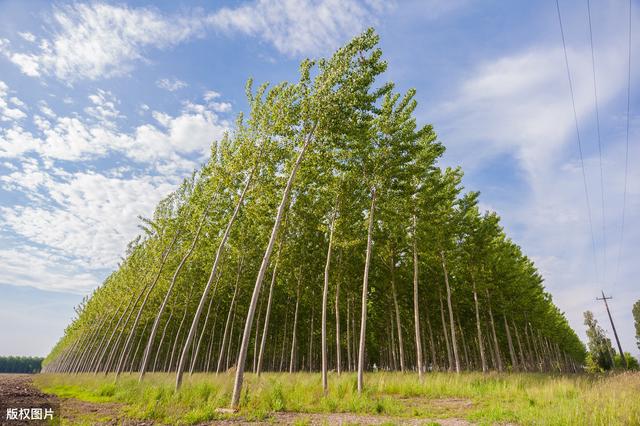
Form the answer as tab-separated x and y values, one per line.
632	362
20	364
600	350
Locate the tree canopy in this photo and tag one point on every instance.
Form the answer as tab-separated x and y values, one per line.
322	233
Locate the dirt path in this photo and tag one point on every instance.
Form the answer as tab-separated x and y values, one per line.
17	391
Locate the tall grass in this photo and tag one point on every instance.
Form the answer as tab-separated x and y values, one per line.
486	399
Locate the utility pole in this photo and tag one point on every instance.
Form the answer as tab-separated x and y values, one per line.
615	333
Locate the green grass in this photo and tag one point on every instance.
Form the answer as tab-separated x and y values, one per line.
486	399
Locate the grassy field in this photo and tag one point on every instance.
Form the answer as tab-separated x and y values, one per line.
517	398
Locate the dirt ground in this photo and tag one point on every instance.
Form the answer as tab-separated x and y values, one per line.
17	391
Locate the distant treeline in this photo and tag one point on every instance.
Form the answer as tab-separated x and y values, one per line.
20	364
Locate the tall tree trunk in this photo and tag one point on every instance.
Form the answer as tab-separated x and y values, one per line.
397	312
338	360
523	360
444	332
311	339
495	337
295	324
454	342
512	353
432	346
242	354
416	309
365	289
349	364
483	359
164	331
227	322
267	315
325	297
194	356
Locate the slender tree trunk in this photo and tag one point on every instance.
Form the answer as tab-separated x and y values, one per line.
295	324
338	360
397	312
483	359
444	332
416	309
227	322
348	337
523	361
175	341
365	289
242	354
164	331
495	337
454	342
325	297
194	356
434	359
284	338
512	353
311	339
267	315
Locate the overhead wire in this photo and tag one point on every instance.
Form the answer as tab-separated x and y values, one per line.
626	156
579	141
597	110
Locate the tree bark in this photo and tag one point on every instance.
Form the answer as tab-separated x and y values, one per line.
454	342
267	315
483	359
416	308
325	296
495	337
397	313
365	289
295	324
228	321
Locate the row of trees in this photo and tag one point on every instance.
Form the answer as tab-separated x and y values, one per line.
20	364
321	235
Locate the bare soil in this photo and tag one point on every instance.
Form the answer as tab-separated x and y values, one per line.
17	391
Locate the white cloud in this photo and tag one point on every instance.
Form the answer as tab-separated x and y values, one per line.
87	216
210	95
77	138
28	36
300	27
515	112
171	84
99	40
7	113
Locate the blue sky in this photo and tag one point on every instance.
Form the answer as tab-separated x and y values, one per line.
105	107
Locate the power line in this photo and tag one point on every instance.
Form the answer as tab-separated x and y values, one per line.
626	154
575	117
595	95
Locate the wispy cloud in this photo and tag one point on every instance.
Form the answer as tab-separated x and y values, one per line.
99	40
171	84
